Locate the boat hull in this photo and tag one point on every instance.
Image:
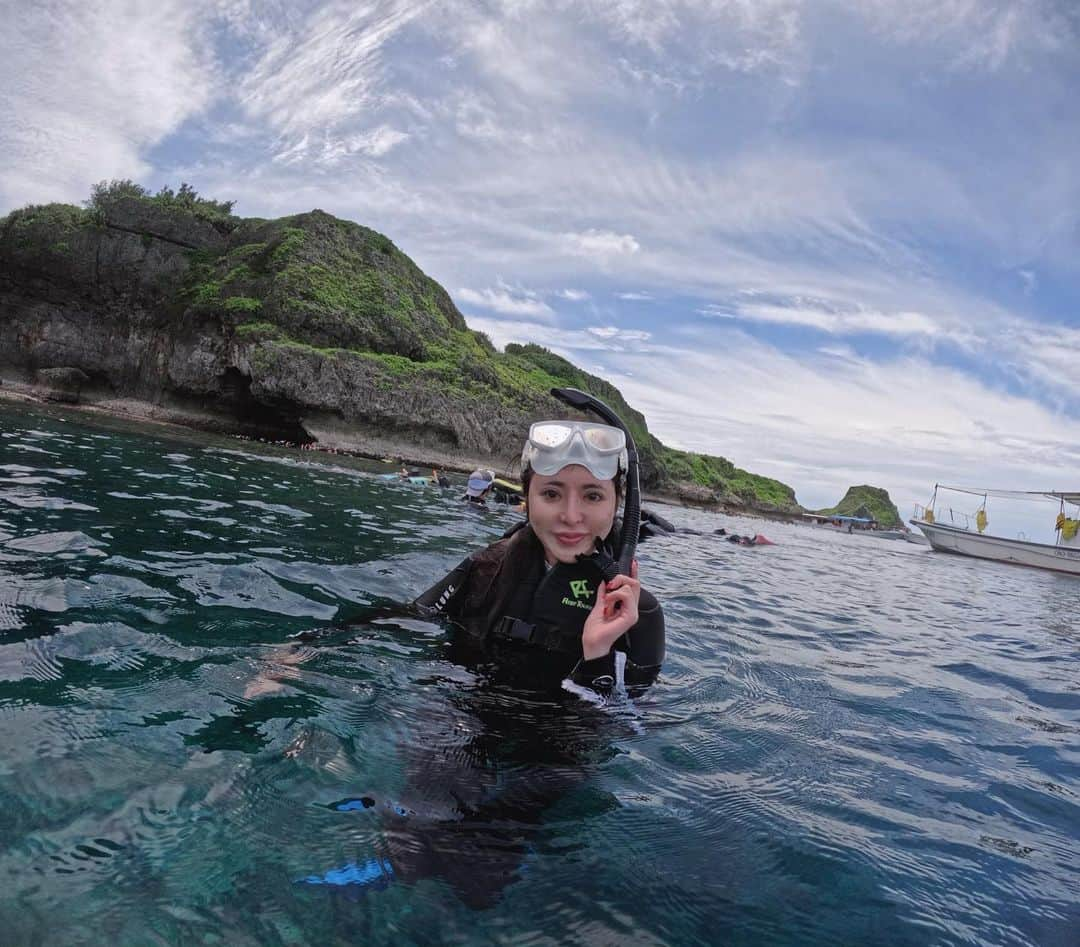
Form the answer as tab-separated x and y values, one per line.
998	549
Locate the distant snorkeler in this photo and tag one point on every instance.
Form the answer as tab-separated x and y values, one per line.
479	486
756	540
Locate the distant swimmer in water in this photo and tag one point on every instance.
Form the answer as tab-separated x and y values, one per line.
479	486
756	540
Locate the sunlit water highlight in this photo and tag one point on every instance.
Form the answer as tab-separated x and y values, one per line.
853	741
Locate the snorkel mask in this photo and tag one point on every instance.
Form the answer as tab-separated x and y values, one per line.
604	449
553	445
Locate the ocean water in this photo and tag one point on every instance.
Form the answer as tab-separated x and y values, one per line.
854	741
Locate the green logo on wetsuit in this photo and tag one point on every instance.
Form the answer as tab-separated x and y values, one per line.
580	588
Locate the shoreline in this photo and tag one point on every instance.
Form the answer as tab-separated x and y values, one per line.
400	452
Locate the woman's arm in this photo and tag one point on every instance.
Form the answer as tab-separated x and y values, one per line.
444	597
646	645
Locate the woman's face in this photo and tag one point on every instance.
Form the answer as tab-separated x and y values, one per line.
569	510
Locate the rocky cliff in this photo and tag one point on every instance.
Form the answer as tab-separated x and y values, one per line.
870	502
306	329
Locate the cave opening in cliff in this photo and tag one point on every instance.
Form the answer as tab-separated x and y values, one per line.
280	422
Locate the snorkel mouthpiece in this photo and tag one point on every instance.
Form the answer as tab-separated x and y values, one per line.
632	507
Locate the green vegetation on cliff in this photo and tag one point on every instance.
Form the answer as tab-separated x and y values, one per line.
349	309
106	194
732	484
866	501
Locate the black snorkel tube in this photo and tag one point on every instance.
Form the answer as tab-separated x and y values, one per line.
632	507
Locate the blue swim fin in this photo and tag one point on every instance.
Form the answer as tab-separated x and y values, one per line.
353	805
375	873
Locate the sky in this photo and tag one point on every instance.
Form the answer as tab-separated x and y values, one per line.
836	242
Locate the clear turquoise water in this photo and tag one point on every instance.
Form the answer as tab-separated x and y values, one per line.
854	741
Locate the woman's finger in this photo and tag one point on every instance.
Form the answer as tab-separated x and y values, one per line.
622	602
601	597
623	580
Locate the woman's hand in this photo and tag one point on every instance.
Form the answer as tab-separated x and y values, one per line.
614	614
272	673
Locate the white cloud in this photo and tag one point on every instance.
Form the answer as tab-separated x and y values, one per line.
574	295
838	351
511	301
377	142
527	52
649	77
983	35
1046	355
320	74
87	88
826	316
635	297
476	118
329	151
564	342
620	339
600	245
734	35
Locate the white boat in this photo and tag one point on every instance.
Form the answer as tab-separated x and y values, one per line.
1060	556
886	533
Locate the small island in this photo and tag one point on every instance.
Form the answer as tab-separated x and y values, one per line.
868	503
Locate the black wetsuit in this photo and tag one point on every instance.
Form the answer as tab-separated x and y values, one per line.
527	619
484	762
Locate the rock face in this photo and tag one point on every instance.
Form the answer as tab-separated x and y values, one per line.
62	384
870	502
306	329
166	308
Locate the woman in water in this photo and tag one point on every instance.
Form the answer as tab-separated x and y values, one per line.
538	600
543	605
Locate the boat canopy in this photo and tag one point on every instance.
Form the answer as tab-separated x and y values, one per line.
1068	496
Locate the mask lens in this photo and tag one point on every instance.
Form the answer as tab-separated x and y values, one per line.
605	438
550	435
